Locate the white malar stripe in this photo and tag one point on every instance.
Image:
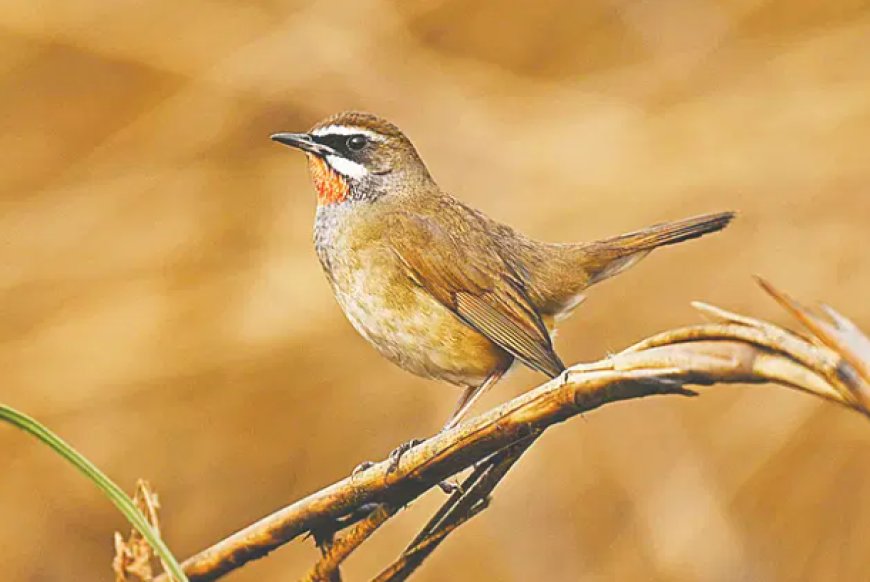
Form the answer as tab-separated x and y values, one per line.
346	167
346	130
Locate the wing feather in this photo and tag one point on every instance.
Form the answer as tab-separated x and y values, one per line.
475	283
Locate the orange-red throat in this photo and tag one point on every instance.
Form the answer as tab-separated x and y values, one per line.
331	186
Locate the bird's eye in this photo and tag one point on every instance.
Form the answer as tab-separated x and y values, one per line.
357	142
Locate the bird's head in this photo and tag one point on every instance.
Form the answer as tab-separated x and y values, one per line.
355	155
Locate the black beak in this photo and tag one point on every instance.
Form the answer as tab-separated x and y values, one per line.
304	142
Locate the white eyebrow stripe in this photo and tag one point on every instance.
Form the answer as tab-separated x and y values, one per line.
347	167
346	130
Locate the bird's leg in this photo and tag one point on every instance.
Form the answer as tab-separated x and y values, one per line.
469	397
466	401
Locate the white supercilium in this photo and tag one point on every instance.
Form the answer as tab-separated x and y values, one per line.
346	130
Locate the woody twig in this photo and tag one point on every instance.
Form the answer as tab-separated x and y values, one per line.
830	361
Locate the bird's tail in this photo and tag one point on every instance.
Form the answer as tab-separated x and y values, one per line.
611	256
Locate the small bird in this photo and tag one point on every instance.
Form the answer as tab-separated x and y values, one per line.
438	287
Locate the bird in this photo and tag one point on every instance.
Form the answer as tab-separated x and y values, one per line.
437	286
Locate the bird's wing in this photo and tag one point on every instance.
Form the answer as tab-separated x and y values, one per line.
475	283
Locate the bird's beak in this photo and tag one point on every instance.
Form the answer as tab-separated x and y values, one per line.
304	142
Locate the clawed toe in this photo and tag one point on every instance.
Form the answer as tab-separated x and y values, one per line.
395	457
449	487
361	467
399	451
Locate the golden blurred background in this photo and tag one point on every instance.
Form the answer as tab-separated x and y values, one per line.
163	308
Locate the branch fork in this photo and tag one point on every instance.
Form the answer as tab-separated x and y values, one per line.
830	361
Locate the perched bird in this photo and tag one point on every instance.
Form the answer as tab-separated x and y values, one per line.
434	285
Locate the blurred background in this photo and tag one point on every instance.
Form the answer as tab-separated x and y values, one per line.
163	308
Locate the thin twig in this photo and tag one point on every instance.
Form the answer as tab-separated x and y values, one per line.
328	566
456	511
324	540
402	567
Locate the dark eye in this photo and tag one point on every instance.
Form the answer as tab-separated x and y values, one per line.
357	142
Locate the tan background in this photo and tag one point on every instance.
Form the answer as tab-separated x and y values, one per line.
163	309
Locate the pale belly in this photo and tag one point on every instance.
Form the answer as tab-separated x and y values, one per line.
407	325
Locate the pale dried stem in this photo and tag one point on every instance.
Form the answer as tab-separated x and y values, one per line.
845	339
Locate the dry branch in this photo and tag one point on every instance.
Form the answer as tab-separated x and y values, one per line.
736	349
327	567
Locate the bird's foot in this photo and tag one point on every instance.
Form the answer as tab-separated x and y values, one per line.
450	487
395	457
361	467
397	453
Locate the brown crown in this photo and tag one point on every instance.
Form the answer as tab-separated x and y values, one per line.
362	120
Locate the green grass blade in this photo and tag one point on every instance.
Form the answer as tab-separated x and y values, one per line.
115	494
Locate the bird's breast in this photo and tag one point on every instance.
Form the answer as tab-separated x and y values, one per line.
401	320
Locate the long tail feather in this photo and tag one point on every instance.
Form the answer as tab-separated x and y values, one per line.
667	233
613	255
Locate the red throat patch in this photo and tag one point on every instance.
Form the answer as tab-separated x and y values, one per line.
331	187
